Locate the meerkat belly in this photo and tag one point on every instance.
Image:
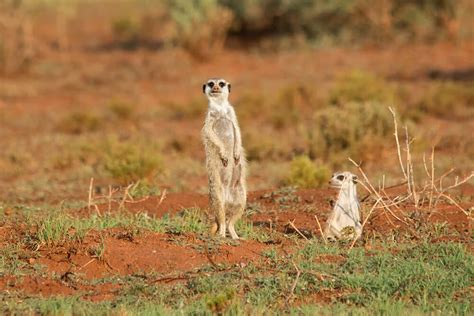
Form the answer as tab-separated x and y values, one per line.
225	131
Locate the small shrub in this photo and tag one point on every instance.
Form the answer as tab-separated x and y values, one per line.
187	110
249	106
449	100
120	109
201	25
359	86
345	130
130	162
304	173
126	31
219	303
262	146
144	188
79	123
289	105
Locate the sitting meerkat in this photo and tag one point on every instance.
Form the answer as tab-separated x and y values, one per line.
344	220
225	159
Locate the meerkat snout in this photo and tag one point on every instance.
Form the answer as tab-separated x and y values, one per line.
216	88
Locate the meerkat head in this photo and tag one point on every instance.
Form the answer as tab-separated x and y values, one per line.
217	89
339	178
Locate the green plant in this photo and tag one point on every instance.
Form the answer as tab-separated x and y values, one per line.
351	128
305	173
359	86
219	303
130	162
55	230
201	25
79	122
127	31
449	100
121	109
187	110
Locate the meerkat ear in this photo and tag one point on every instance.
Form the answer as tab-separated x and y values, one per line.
228	87
204	88
355	179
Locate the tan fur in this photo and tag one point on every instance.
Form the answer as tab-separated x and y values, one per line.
225	160
344	220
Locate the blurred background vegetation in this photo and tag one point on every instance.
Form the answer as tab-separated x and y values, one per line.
111	88
202	26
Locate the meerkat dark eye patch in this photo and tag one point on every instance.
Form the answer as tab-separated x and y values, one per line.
222	84
340	177
210	84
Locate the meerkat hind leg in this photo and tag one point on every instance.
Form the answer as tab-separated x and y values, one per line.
237	209
217	208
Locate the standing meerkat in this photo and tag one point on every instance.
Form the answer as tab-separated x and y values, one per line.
225	159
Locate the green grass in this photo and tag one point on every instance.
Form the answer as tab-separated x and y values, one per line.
391	279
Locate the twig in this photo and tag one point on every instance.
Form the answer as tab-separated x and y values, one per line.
432	180
293	286
457	183
124	196
297	230
389	187
163	196
374	191
411	178
443	176
89	203
320	229
455	203
398	143
365	220
89	262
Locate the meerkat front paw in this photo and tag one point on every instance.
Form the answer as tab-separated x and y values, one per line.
225	161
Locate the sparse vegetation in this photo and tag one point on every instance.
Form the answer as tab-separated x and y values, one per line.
80	122
103	206
121	109
305	173
449	100
129	162
348	129
201	25
359	86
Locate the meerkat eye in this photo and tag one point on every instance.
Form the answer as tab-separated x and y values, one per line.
222	84
340	177
210	84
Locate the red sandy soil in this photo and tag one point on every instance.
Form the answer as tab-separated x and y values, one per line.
173	256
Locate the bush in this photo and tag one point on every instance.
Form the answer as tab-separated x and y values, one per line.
201	25
126	31
449	100
131	161
347	129
187	110
345	20
120	109
306	174
359	86
79	122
